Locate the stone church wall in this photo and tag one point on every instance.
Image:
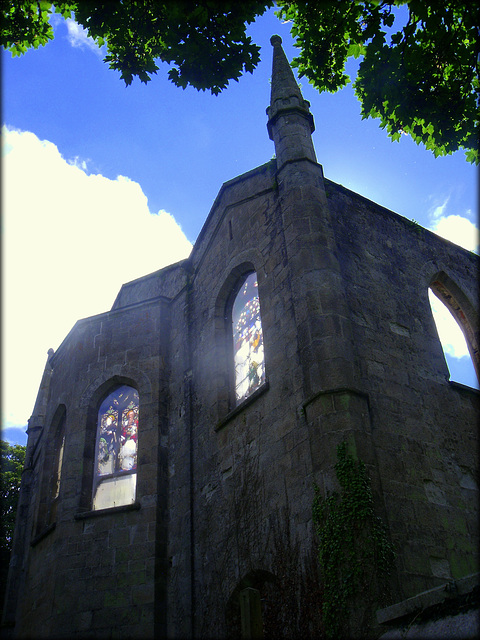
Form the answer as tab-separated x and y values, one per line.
251	463
422	425
98	571
225	491
215	482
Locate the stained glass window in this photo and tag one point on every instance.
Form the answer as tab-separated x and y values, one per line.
116	451
249	358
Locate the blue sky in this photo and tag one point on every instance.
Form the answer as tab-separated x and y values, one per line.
103	183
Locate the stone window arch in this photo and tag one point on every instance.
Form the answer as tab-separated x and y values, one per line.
462	310
116	444
249	607
223	356
51	482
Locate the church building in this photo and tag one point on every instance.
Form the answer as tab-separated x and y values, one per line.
177	439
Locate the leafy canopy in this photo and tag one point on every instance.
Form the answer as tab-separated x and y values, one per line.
204	42
419	69
419	72
12	461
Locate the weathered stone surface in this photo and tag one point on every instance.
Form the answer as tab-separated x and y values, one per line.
351	353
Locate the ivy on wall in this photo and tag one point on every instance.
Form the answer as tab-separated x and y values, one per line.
354	551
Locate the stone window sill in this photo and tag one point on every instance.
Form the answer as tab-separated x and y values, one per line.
246	403
135	506
463	387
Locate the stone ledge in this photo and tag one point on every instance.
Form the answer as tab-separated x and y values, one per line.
43	534
259	392
426	599
135	506
463	387
336	391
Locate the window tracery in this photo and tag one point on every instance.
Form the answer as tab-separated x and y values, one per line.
248	351
116	449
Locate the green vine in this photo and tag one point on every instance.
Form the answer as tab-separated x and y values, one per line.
413	224
354	552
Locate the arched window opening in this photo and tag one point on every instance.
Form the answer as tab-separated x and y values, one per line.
51	481
248	354
253	606
452	332
115	476
57	470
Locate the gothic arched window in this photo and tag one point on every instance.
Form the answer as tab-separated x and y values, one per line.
248	355
115	475
57	471
455	335
50	485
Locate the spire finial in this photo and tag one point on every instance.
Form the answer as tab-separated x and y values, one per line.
284	84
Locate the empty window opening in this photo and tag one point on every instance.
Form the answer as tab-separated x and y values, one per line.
52	477
56	479
58	471
454	344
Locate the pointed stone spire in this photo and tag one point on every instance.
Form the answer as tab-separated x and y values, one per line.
290	123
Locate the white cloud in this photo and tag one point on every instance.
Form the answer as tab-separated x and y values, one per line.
78	37
453	226
437	210
70	240
78	162
458	229
451	336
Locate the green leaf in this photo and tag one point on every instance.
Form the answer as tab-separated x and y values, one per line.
356	50
425	76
